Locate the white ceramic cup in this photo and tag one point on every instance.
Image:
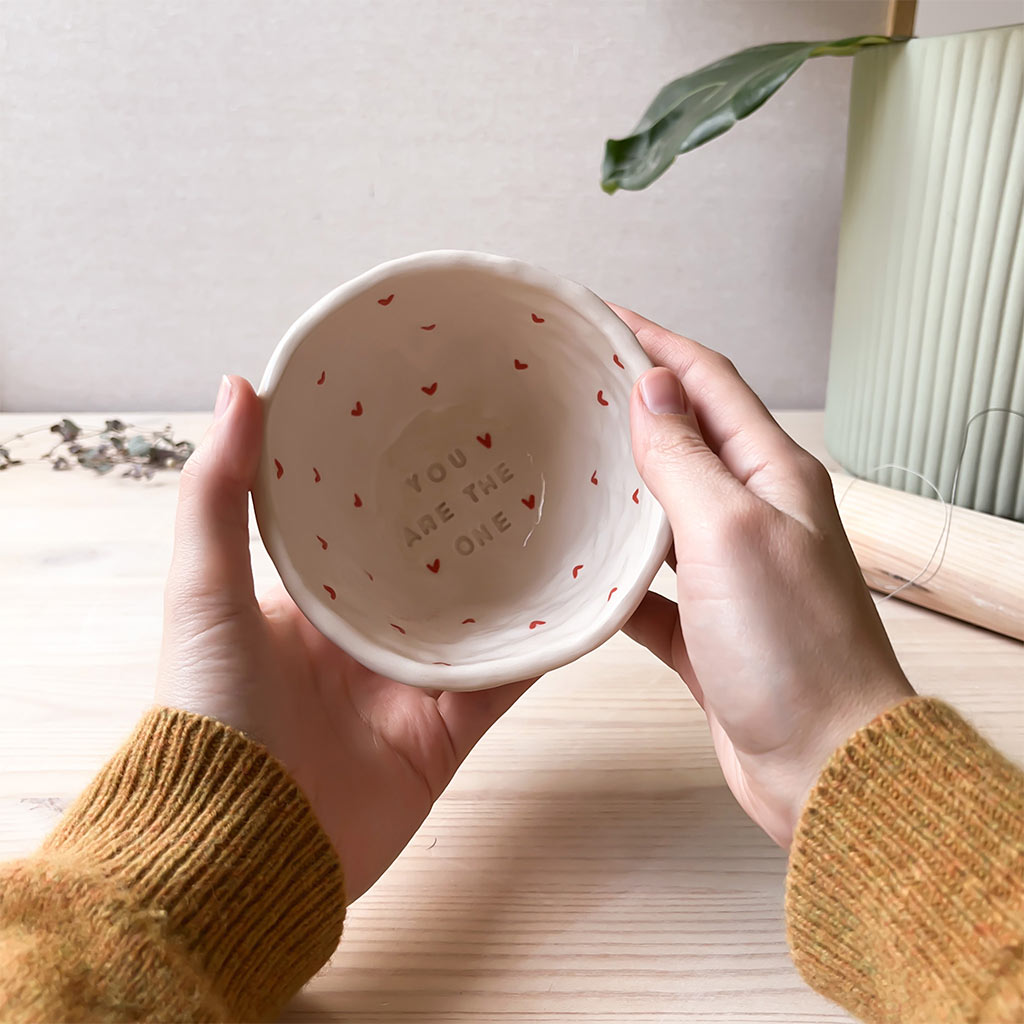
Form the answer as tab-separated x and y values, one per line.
447	487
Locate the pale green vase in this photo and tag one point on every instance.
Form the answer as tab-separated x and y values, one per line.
929	311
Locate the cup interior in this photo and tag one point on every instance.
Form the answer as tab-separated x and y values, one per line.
448	475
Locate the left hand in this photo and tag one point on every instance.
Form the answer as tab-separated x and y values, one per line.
371	755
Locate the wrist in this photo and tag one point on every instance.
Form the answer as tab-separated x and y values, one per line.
844	722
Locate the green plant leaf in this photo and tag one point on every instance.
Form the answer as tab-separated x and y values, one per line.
698	107
139	446
67	429
97	458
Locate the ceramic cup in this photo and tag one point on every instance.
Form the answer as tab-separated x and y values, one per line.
447	487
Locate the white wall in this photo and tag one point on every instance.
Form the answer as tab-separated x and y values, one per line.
944	17
180	179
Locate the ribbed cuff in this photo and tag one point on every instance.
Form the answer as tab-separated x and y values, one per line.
205	830
905	893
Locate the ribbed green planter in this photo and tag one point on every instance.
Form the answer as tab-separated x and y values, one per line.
929	313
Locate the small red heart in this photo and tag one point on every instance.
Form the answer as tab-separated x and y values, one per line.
435	565
636	496
467	621
612	591
430	390
536	623
593	478
358	502
618	362
428	327
537	319
522	366
323	377
369	575
316	475
387	301
399	628
576	571
323	543
485	440
280	469
358	410
530	501
601	400
330	590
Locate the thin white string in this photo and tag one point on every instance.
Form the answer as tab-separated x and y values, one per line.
942	544
938	544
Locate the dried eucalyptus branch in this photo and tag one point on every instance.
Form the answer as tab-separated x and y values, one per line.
142	453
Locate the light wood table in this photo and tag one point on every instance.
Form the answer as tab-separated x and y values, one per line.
588	862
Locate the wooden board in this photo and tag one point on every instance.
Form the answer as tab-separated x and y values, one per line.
588	862
952	560
899	17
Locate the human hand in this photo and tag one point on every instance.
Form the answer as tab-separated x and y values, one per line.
775	632
371	755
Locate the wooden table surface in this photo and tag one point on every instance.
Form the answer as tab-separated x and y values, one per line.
588	862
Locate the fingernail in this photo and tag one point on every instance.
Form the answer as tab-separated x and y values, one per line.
223	397
662	393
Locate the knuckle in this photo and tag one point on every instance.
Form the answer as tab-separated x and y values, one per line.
813	476
722	364
673	447
654	337
191	473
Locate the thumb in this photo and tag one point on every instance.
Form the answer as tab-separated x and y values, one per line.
676	464
211	529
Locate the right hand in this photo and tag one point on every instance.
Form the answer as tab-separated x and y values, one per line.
775	632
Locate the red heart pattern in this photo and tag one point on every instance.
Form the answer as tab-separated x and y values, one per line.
486	441
280	469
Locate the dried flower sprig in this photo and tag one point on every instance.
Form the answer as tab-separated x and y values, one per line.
142	453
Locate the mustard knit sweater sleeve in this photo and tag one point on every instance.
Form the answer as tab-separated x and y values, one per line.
905	895
191	881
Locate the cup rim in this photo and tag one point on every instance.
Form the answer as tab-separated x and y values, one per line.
560	649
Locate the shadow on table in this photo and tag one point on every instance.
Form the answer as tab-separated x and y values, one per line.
609	860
